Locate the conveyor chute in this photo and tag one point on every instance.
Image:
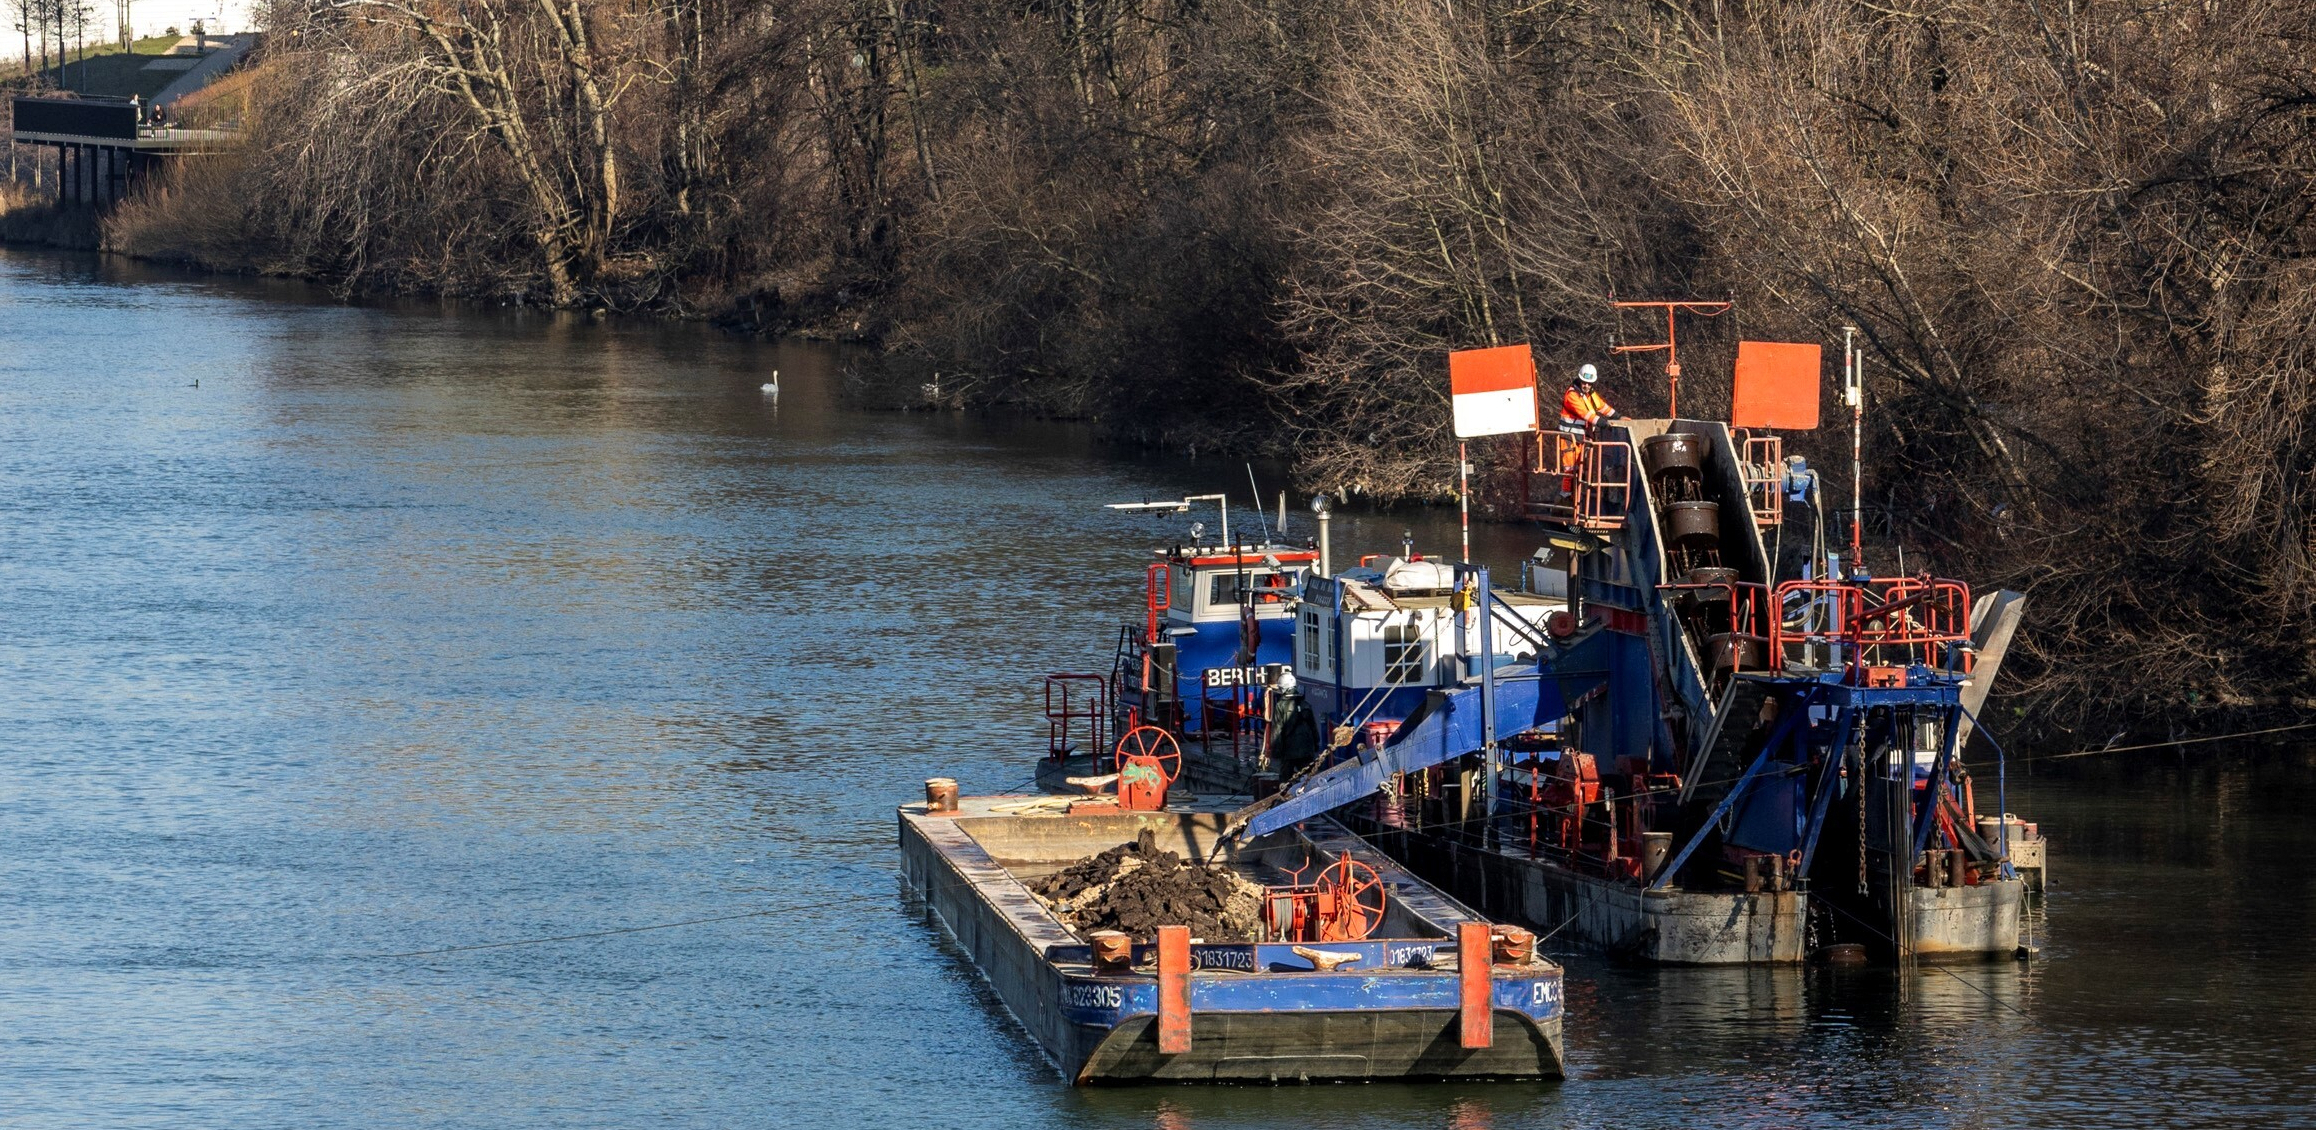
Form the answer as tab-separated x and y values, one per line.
1449	726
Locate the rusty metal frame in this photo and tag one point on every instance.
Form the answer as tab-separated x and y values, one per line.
1671	344
1603	496
1762	465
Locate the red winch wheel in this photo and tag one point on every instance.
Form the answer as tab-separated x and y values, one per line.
1152	744
1351	900
1148	762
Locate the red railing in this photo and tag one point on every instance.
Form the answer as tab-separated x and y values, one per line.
1588	481
1750	628
1921	619
1068	700
1235	715
1604	485
1764	469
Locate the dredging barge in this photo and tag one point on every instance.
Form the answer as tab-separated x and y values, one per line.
1428	990
1667	745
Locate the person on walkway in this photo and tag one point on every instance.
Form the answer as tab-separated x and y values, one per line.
1582	411
1582	408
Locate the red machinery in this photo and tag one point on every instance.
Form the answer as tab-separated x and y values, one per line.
1571	785
1887	622
1343	904
1149	761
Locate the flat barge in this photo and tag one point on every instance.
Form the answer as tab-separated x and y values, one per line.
1434	992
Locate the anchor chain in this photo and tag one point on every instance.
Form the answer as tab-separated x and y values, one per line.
1858	786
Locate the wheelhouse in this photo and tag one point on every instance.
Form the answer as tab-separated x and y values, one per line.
1209	585
1371	642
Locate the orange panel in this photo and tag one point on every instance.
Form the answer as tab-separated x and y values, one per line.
1476	985
1173	990
1777	385
1491	370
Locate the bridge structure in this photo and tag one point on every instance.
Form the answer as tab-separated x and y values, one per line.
102	149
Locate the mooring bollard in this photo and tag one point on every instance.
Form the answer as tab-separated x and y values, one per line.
1113	950
1514	946
940	795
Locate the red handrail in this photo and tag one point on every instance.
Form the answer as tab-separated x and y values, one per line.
1157	596
1604	484
1093	706
1905	613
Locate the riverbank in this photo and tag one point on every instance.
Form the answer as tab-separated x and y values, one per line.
32	218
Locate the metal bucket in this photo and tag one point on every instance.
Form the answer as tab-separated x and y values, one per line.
1656	848
1693	522
1732	651
1709	605
1673	452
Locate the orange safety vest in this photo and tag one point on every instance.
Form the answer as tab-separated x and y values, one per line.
1581	406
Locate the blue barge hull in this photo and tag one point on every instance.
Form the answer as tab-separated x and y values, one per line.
1258	1012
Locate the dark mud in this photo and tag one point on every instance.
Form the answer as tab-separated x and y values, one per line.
1136	888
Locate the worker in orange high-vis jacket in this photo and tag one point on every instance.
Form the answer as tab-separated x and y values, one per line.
1582	408
1582	411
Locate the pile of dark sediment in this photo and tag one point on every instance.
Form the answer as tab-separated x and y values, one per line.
1136	888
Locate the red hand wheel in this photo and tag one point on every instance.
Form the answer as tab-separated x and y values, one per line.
1351	900
1153	744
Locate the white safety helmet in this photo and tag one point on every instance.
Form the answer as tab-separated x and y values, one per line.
1588	375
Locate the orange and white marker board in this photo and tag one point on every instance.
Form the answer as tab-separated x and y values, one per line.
1494	390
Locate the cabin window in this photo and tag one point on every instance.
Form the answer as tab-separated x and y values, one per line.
1268	588
1310	648
1403	653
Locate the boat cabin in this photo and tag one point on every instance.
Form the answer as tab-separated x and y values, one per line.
1213	584
1372	642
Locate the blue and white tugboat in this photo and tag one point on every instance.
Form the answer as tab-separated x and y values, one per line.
1217	627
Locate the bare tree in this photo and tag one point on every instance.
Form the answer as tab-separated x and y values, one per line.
527	74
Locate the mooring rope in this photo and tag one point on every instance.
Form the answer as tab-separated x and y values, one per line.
2173	742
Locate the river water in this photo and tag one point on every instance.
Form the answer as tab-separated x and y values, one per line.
329	633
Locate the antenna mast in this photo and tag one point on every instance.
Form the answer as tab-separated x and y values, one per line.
1854	391
1669	345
